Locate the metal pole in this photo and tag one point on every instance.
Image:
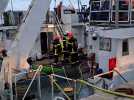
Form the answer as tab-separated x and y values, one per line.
78	5
117	13
85	37
16	95
39	86
55	3
75	87
130	11
10	82
52	86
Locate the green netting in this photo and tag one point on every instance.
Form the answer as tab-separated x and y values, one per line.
48	69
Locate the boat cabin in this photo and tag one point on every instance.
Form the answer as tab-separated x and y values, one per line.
113	47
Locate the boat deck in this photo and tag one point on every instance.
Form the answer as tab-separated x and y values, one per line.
104	97
130	84
97	97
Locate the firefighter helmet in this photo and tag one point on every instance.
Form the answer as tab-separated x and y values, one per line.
69	34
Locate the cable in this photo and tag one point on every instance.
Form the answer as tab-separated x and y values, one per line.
28	11
106	91
121	76
87	83
68	98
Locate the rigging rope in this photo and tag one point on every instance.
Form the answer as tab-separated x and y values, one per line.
60	88
106	91
91	85
97	88
71	4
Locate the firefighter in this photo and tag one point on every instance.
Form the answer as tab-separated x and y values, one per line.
57	48
70	56
72	42
72	47
65	43
65	52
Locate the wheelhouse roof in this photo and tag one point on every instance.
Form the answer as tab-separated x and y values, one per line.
121	33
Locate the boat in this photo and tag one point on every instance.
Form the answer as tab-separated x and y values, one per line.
106	36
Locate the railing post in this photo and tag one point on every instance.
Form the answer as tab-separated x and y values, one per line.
37	71
52	85
10	82
39	86
75	91
16	95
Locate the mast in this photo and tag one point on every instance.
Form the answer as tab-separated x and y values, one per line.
117	13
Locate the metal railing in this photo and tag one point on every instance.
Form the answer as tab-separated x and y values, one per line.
125	80
109	92
37	71
75	81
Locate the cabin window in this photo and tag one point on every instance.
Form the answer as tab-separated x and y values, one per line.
123	8
100	5
105	44
95	5
100	10
123	5
125	47
10	34
105	4
132	15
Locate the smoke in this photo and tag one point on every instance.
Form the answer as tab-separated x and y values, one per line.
3	5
